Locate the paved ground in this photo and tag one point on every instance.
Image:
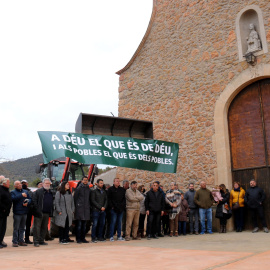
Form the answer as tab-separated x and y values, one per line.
218	251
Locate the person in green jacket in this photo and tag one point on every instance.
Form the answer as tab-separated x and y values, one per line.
204	199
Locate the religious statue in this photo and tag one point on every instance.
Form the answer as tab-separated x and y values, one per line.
253	40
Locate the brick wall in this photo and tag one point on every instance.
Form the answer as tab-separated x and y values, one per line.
188	58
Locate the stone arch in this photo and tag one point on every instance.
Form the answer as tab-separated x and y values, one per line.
221	141
249	14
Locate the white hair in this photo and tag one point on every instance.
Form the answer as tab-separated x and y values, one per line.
3	181
46	179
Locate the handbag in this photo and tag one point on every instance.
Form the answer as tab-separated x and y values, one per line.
236	205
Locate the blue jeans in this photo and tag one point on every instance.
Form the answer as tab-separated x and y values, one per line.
116	218
18	228
98	219
208	214
182	227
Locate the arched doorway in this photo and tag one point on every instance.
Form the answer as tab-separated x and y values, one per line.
249	132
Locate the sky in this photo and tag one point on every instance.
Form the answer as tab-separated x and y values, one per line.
57	59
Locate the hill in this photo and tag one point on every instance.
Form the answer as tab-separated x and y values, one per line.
23	168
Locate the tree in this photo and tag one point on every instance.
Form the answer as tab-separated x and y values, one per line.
34	183
108	168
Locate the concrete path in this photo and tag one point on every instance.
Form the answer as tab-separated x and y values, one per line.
218	251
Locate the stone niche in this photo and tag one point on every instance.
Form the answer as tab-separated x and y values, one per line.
250	15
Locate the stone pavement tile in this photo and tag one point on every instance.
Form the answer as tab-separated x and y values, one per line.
112	256
257	261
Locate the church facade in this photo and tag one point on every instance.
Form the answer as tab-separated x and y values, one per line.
202	75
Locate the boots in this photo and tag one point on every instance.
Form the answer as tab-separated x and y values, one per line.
221	229
224	229
141	234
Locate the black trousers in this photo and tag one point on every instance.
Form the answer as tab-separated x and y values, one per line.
80	230
141	222
40	228
3	227
165	224
63	232
153	223
28	225
257	212
239	218
223	221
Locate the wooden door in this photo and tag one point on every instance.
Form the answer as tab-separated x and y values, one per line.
249	128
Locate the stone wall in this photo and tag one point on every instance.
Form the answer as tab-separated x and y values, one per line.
187	60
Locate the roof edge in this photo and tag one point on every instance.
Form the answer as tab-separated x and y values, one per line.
143	40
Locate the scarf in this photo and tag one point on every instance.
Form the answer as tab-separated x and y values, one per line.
174	196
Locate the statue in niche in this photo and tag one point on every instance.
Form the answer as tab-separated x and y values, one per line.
253	40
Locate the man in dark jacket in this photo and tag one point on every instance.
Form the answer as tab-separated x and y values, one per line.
117	205
154	206
99	205
43	209
204	199
20	199
5	205
193	210
29	214
82	209
254	199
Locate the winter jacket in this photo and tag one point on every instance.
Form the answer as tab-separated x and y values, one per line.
154	201
18	201
225	199
173	196
204	198
5	201
98	199
234	197
82	199
64	204
184	210
37	200
117	199
133	199
189	196
142	205
254	197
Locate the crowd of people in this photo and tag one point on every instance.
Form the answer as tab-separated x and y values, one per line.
123	210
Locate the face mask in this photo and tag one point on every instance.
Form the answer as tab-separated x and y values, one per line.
24	186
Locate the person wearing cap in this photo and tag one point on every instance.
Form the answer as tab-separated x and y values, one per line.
29	214
39	184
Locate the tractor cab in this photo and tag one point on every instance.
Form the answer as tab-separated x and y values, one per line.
65	169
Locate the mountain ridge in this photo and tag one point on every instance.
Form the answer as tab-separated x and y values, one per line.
23	168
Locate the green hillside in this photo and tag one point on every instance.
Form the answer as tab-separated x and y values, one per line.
23	168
